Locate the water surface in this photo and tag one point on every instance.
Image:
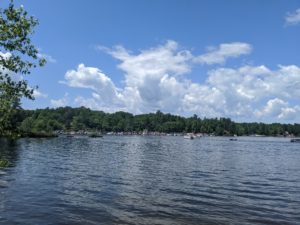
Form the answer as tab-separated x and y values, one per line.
150	180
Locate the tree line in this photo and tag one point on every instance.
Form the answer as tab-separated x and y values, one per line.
76	119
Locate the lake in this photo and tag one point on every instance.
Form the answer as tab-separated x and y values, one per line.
150	180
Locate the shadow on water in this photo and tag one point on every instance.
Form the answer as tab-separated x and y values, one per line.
9	150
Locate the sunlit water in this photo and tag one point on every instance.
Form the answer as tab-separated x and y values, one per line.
150	180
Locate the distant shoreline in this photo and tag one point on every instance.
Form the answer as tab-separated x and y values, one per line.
50	122
70	134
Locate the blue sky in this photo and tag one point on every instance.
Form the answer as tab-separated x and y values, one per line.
237	59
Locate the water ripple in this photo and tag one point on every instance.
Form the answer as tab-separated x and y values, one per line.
150	180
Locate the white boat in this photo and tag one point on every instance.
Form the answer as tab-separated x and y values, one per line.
188	136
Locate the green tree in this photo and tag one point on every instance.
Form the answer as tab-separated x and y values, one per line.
78	123
17	57
27	125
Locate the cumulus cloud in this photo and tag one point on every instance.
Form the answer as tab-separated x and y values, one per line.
244	88
155	74
219	55
146	74
88	77
64	101
273	107
293	18
154	79
290	113
155	61
94	79
39	94
279	109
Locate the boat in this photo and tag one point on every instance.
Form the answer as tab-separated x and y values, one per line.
295	140
232	139
191	137
95	135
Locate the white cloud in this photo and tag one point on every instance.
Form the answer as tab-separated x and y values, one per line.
60	102
272	108
154	62
5	56
153	72
203	100
293	18
3	71
279	109
290	113
245	88
219	55
38	94
88	77
93	78
154	80
147	75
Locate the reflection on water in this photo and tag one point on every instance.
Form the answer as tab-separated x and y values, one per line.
9	150
150	180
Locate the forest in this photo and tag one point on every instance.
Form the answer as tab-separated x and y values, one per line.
47	121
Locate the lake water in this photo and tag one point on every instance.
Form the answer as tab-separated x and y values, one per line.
150	180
